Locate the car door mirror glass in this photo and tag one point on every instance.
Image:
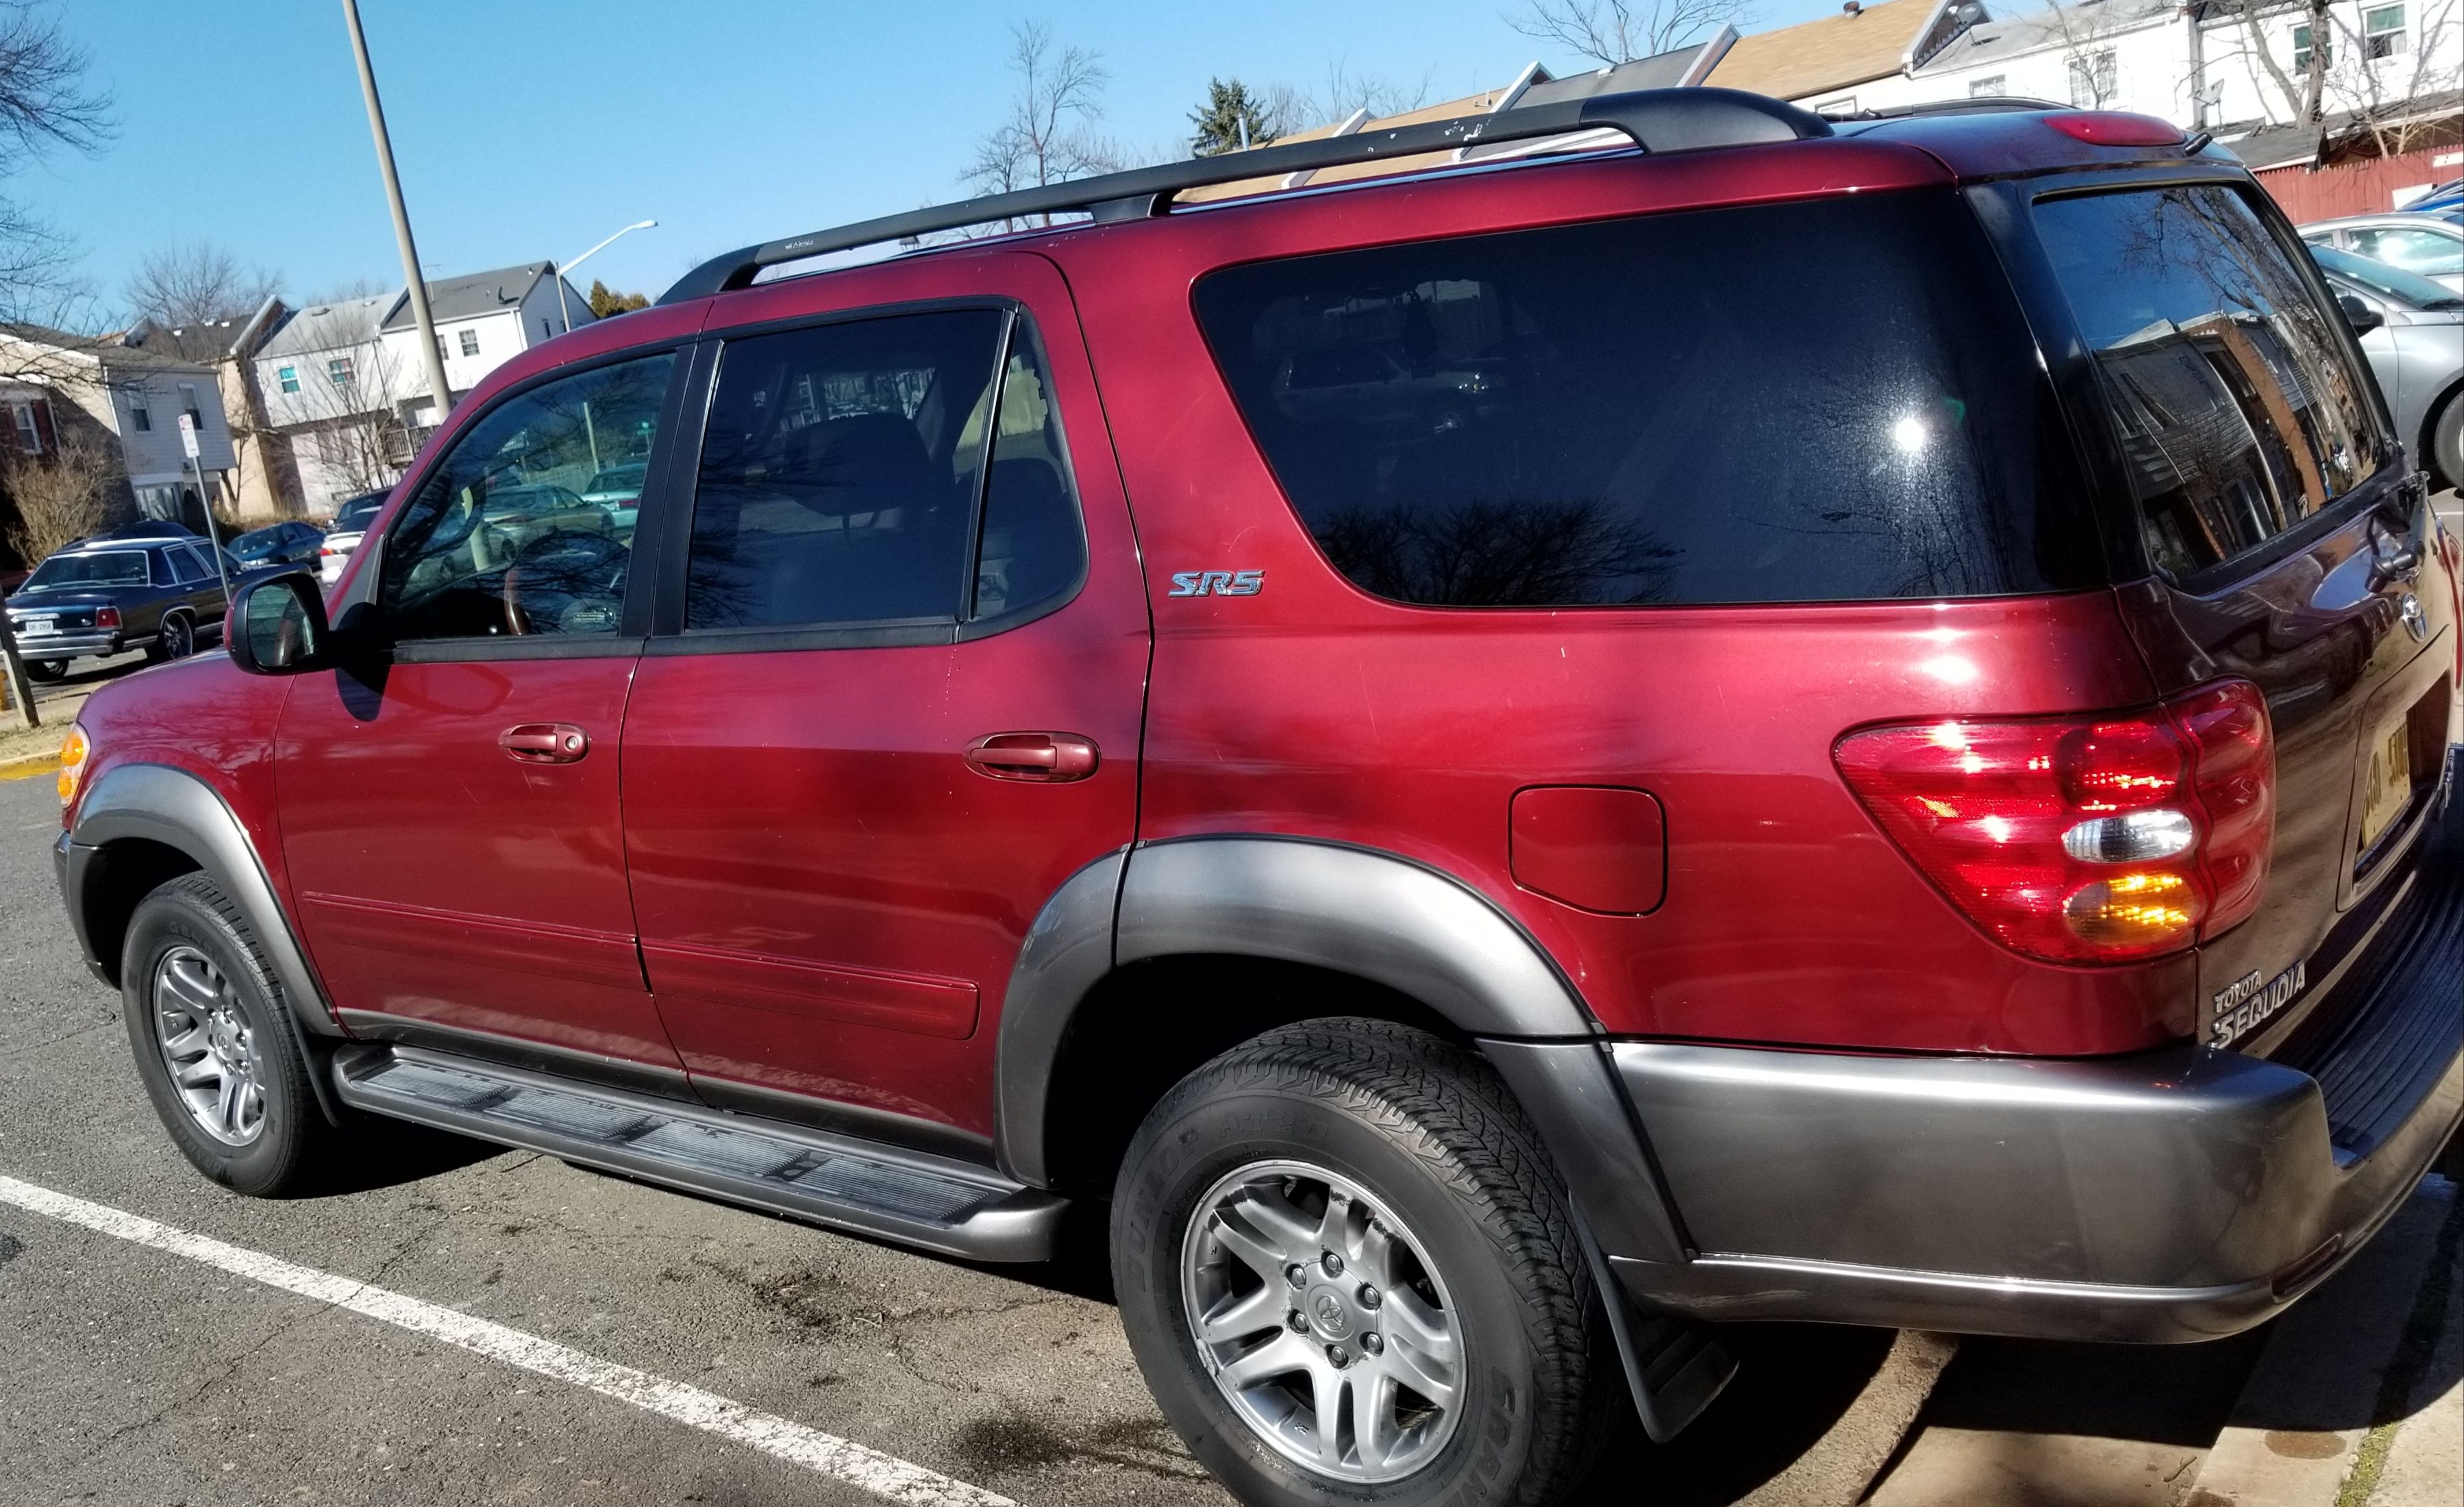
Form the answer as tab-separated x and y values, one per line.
283	629
2359	315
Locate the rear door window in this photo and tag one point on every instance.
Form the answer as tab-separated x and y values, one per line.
2239	414
1819	402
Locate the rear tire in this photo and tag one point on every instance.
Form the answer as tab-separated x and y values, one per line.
2447	441
1495	1381
176	639
218	1056
47	671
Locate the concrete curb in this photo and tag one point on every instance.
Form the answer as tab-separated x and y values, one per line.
1842	1465
30	766
2298	1430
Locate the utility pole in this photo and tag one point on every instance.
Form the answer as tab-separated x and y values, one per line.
431	355
21	687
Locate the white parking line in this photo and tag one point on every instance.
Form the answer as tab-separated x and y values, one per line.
882	1475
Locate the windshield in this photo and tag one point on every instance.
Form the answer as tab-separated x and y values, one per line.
618	478
357	513
71	571
2394	282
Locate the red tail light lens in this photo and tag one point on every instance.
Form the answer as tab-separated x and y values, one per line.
2085	840
106	616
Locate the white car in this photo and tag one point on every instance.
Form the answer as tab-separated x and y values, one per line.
350	522
2427	245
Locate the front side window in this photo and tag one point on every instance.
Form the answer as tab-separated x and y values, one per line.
2424	254
2237	411
499	539
843	471
1670	409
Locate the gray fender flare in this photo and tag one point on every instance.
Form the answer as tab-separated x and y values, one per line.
1356	910
161	804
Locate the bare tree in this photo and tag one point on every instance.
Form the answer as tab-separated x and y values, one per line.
1614	32
1047	136
2382	94
60	497
2085	33
44	105
2304	96
190	283
1342	93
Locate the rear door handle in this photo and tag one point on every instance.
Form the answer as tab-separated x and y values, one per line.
1044	758
544	742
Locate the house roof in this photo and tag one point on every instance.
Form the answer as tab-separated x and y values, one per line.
2033	31
1833	52
123	350
2261	146
331	326
469	296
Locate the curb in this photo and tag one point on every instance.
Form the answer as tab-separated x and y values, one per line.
30	766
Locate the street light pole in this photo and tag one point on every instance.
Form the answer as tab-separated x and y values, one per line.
431	355
563	310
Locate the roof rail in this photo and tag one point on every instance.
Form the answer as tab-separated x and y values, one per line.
1655	119
1979	104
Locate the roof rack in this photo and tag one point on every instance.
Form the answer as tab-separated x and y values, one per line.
1656	121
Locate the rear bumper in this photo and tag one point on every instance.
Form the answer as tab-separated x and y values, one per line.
2174	1195
69	645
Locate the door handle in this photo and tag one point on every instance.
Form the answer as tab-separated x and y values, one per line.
1044	758
544	742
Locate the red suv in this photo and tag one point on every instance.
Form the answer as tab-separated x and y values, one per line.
1677	714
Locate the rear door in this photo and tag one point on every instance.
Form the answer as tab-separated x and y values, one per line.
906	537
2290	549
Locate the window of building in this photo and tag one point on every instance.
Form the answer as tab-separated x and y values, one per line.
469	342
189	405
1991	88
498	541
1517	421
2302	50
547	331
2237	411
30	434
287	377
2382	30
140	418
341	371
2092	81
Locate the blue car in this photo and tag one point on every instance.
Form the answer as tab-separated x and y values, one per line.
132	588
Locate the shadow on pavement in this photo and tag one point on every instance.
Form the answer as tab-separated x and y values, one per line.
390	1152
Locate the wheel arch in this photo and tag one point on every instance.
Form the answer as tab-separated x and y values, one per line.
1240	934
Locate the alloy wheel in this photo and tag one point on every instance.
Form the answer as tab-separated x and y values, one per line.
177	639
208	1047
1322	1322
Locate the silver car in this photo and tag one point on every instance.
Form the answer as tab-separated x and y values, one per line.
2417	354
2424	244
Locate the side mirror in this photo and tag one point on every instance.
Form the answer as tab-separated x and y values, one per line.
277	624
2360	315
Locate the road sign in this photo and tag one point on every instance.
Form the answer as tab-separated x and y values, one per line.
188	437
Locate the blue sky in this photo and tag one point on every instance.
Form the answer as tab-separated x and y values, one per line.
527	129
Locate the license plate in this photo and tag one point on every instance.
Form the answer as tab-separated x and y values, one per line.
2390	783
37	627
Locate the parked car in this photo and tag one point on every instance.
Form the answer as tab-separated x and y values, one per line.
2416	352
618	488
351	519
1896	776
2448	195
294	541
2427	244
114	592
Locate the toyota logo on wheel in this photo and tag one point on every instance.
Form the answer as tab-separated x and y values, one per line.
1330	1317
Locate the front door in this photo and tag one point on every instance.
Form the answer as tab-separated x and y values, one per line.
894	556
449	802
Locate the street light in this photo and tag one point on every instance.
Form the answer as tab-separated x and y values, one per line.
564	310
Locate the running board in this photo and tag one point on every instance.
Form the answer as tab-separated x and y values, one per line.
913	1198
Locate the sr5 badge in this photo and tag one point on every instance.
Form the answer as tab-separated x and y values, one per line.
1216	583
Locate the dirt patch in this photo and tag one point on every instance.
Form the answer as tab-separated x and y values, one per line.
1018	1441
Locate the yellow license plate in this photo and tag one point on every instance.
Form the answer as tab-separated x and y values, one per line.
2390	783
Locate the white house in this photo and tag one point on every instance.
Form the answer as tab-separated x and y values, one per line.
345	384
109	386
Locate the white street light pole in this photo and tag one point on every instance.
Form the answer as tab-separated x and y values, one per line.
563	309
432	355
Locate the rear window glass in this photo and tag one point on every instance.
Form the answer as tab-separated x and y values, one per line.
67	572
1819	402
2239	414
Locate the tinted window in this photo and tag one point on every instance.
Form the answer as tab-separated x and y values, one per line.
1033	549
1813	402
499	539
2424	253
358	513
839	477
2237	411
68	572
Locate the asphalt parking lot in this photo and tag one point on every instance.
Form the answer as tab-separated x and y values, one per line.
140	1374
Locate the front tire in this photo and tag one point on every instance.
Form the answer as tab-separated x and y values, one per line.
2447	442
47	671
218	1058
1346	1270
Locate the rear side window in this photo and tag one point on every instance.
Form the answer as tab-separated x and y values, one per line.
2239	415
1820	401
843	469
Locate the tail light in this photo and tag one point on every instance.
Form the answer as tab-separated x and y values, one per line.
2085	840
106	616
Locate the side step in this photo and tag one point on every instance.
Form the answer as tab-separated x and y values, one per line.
915	1199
